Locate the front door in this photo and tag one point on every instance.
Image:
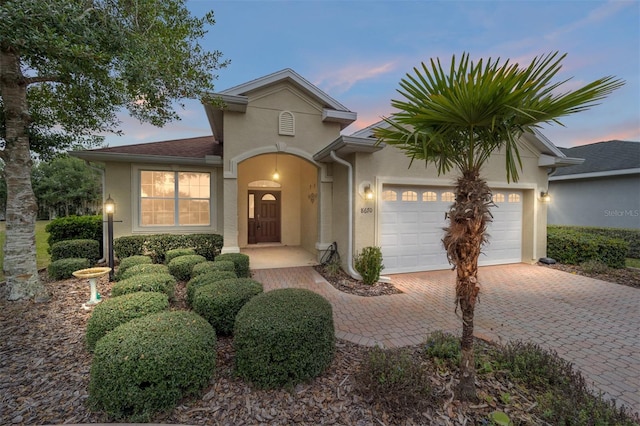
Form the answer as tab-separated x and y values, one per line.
264	217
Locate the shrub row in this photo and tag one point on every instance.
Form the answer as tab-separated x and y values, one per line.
212	266
573	247
63	268
631	236
158	282
89	249
220	301
181	266
145	366
129	262
240	261
156	246
113	312
205	279
75	227
144	268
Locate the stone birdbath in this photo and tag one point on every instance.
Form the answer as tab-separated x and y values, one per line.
92	274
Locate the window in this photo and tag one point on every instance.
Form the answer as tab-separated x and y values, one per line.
448	196
514	198
429	196
498	198
409	196
169	198
389	195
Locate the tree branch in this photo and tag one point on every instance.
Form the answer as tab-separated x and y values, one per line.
42	79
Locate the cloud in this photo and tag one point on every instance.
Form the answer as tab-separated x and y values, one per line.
342	79
596	15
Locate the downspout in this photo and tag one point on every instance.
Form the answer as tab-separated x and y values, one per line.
352	272
104	182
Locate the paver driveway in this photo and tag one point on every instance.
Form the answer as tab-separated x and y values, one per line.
592	323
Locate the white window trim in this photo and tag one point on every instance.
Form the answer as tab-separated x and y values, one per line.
191	229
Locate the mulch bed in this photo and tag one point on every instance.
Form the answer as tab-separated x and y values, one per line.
44	375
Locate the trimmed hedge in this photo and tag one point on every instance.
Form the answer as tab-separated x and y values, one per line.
147	365
209	266
631	236
220	301
63	268
284	337
173	253
144	268
181	266
161	283
89	249
128	262
573	247
240	261
156	246
113	312
205	279
75	227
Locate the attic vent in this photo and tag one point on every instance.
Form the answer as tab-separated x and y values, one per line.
287	124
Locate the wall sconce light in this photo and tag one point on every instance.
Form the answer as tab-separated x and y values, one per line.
366	191
545	197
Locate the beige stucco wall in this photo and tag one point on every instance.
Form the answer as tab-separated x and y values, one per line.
391	166
121	183
251	141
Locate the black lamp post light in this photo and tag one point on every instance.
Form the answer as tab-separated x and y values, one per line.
109	209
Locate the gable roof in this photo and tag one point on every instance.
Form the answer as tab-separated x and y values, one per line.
603	159
198	150
236	99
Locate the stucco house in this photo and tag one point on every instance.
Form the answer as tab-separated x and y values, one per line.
603	191
331	186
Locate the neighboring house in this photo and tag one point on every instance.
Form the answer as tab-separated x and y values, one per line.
604	191
331	187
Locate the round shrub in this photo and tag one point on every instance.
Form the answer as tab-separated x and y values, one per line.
148	364
161	283
204	279
144	268
220	301
283	337
116	311
128	262
240	261
173	253
210	266
181	266
63	268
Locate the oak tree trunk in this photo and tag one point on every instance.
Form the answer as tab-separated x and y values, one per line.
463	241
20	268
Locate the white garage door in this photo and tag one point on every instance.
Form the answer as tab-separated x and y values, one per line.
412	222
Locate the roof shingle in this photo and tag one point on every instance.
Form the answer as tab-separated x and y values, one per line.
197	147
602	157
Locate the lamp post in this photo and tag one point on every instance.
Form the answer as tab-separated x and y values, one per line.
110	208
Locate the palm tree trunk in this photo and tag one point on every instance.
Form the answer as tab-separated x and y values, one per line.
463	241
20	266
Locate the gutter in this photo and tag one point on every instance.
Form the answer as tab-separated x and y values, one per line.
104	182
352	272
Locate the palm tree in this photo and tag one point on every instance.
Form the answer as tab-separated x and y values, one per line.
458	119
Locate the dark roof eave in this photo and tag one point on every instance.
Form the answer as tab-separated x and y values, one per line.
345	145
110	157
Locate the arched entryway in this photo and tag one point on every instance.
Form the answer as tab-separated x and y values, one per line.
283	210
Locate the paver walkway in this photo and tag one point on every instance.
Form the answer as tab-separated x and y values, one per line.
592	323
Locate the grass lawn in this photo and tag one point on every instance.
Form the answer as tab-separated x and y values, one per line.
42	256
